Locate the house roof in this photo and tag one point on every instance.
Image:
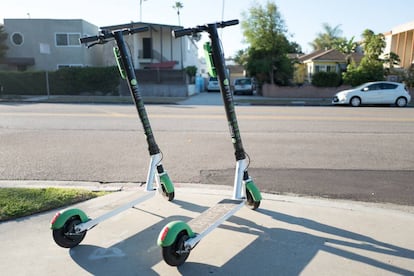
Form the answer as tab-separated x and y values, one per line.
329	55
137	24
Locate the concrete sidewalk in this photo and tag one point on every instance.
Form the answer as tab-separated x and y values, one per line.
197	99
287	235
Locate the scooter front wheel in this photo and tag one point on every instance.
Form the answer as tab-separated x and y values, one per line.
250	201
167	195
66	236
176	254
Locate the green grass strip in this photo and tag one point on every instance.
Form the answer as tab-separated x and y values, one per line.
20	202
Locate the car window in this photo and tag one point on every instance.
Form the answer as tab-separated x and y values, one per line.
213	79
242	81
388	86
375	86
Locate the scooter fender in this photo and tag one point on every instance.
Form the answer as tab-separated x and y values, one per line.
166	182
254	191
169	233
62	216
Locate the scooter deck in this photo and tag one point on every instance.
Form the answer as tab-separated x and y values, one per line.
215	215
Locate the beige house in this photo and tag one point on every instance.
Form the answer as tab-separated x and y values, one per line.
330	60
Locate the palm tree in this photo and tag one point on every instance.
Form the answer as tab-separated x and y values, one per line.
178	6
328	38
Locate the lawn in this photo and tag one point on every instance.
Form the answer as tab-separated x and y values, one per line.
20	202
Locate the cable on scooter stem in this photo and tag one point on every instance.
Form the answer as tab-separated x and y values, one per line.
201	28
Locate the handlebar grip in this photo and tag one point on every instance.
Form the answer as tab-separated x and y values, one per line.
89	39
181	32
139	30
229	23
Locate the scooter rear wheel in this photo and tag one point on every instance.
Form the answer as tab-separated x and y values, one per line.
250	201
175	254
66	236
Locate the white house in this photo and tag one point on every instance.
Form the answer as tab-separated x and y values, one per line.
49	44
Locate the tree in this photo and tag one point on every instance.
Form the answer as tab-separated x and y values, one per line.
329	38
241	57
264	31
178	6
391	59
371	67
191	73
3	38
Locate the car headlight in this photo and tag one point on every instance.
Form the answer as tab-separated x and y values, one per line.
341	97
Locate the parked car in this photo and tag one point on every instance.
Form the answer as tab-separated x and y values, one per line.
380	92
213	85
243	86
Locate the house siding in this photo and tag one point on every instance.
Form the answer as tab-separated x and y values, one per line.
400	40
39	42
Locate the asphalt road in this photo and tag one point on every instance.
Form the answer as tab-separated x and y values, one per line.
337	152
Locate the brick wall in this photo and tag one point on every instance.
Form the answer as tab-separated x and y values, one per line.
305	91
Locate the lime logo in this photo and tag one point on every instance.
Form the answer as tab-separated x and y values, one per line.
134	82
226	82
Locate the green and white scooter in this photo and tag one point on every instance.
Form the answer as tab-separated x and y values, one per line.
69	226
178	238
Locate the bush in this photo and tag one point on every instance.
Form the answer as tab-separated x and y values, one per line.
28	83
367	71
66	81
326	79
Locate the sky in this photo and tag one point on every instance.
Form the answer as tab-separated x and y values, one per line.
303	18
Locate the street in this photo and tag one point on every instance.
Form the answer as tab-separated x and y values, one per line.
362	154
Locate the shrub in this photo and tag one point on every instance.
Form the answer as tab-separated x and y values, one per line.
66	81
326	79
73	80
28	83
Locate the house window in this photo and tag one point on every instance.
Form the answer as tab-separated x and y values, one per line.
320	68
17	39
67	39
147	47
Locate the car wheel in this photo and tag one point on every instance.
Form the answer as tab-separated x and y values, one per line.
355	101
401	102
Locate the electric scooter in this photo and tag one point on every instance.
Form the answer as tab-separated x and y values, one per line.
178	238
69	226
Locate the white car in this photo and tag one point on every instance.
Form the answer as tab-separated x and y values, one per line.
380	92
213	85
243	86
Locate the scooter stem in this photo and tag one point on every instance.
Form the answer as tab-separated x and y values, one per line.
238	191
154	161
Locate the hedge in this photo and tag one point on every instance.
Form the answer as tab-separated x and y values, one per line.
326	79
66	81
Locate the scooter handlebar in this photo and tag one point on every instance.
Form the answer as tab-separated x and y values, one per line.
183	32
192	31
138	30
228	23
89	39
105	35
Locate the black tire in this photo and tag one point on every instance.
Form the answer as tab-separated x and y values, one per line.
401	102
66	236
355	101
174	254
250	201
168	196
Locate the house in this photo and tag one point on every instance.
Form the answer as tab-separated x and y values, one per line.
157	48
400	40
330	60
47	44
50	44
